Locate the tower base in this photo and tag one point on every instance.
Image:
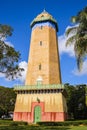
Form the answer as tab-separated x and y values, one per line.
40	103
47	116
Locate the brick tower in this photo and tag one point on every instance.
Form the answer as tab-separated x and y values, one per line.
44	58
42	98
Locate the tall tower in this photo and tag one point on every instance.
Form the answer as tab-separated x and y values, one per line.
43	97
43	60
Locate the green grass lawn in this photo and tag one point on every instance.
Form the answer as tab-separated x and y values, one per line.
43	128
10	125
78	128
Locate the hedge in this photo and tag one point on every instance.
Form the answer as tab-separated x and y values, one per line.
12	123
65	123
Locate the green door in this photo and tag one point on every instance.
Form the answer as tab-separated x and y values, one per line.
37	114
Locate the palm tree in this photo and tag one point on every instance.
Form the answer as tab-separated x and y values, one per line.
79	36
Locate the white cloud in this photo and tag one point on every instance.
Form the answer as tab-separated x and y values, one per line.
62	43
9	43
23	65
83	71
69	50
2	75
5	40
71	26
2	38
62	46
21	78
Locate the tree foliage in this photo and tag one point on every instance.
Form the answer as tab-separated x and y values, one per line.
7	100
76	101
79	37
9	57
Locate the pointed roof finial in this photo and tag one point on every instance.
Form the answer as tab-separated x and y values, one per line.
44	16
44	11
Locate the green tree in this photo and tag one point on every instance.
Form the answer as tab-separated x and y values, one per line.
79	36
9	57
7	100
76	101
70	100
81	108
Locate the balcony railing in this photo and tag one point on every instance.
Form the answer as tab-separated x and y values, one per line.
38	87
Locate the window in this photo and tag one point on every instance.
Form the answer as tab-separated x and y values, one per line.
41	27
39	66
42	15
40	43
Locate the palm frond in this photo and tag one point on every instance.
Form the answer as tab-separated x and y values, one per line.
79	63
73	19
71	30
80	48
71	40
79	36
85	36
83	15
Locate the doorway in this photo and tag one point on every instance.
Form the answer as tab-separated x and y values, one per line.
37	114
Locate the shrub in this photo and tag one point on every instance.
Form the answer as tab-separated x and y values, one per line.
14	123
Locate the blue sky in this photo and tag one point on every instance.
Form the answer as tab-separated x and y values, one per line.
20	13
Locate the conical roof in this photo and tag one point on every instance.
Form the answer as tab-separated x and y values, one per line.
44	16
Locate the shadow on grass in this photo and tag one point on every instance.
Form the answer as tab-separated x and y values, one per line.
34	128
